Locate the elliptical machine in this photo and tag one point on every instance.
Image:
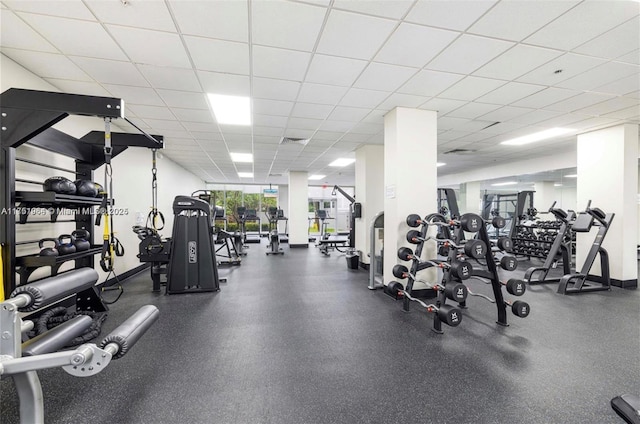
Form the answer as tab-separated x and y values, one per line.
274	215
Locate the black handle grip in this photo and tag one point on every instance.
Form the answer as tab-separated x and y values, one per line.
54	240
58	337
130	331
66	236
52	289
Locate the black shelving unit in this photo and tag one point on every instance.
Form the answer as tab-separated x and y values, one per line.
27	117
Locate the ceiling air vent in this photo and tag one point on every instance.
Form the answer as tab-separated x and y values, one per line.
275	175
460	152
290	140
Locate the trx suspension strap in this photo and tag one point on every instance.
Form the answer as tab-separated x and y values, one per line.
155	219
111	246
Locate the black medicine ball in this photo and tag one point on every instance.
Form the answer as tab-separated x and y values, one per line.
60	185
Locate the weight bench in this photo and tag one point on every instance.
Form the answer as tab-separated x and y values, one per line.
333	242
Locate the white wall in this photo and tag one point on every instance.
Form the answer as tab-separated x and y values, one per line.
131	170
298	208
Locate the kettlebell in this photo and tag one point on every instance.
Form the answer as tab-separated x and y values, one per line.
66	248
81	240
48	251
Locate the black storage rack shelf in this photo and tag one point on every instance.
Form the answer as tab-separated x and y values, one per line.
532	240
49	198
36	261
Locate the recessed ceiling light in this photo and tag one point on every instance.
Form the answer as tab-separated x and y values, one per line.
539	136
241	157
506	183
342	162
571	176
557	185
231	110
245	174
438	164
316	177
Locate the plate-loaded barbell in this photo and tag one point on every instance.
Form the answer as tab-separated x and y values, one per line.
459	268
454	291
448	314
518	308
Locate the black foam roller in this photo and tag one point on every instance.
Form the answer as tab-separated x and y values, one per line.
52	289
130	331
58	337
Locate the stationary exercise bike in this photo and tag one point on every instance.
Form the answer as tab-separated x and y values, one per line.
274	215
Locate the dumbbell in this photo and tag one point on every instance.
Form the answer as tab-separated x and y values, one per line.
505	244
414	220
66	248
498	222
459	268
518	308
49	251
448	314
455	291
508	263
476	249
515	287
80	240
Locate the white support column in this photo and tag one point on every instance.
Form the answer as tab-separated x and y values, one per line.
472	198
545	195
607	175
298	209
410	178
283	203
369	192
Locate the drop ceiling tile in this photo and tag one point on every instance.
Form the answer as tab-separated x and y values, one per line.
275	89
142	14
632	112
235	129
278	63
272	107
15	33
143	45
136	95
608	106
621	87
159	125
268	131
47	65
334	70
219	55
382	8
357	97
66	9
184	99
570	65
635	94
81	87
546	97
582	23
192	115
429	83
196	127
234	141
514	20
472	110
380	76
338	35
449	123
352	114
472	138
325	138
470	88
602	74
153	112
442	106
299	132
402	100
321	94
376	116
565	120
578	102
536	116
170	78
367	128
510	92
617	42
355	138
286	24
269	120
633	57
593	123
310	110
266	140
228	84
304	124
414	45
101	45
110	71
175	134
443	15
452	135
517	61
226	20
468	53
505	113
336	126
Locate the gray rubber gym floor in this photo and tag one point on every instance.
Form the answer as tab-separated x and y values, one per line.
300	339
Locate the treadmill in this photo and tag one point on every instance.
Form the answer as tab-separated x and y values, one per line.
251	215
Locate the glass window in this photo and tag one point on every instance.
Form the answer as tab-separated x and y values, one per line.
233	199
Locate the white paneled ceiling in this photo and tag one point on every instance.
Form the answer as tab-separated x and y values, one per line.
330	70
